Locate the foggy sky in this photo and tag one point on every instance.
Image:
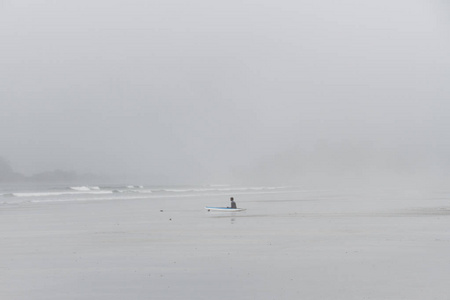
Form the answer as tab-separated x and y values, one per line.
223	92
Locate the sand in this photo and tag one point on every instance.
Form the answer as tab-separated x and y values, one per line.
293	245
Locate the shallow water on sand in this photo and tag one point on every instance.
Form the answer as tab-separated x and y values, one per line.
289	244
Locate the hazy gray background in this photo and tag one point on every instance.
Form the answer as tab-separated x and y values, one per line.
230	91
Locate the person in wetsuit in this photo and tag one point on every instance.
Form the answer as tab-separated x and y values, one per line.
233	204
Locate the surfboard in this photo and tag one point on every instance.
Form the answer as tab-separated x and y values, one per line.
224	209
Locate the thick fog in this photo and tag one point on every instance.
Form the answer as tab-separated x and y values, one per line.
232	91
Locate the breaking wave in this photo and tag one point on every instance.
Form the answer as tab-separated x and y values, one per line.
217	189
84	188
135	186
46	194
132	191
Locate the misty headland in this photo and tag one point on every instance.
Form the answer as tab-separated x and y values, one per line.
327	166
8	175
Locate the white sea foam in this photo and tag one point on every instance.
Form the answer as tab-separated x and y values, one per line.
45	194
80	188
84	199
219	189
147	191
134	186
85	188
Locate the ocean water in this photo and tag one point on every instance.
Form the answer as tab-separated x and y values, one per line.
29	193
144	242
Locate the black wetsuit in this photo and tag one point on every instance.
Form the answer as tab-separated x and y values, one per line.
233	204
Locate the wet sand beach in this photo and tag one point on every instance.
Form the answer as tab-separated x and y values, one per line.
291	245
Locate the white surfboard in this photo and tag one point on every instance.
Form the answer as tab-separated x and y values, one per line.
224	209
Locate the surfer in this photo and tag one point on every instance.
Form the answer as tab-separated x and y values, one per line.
233	204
